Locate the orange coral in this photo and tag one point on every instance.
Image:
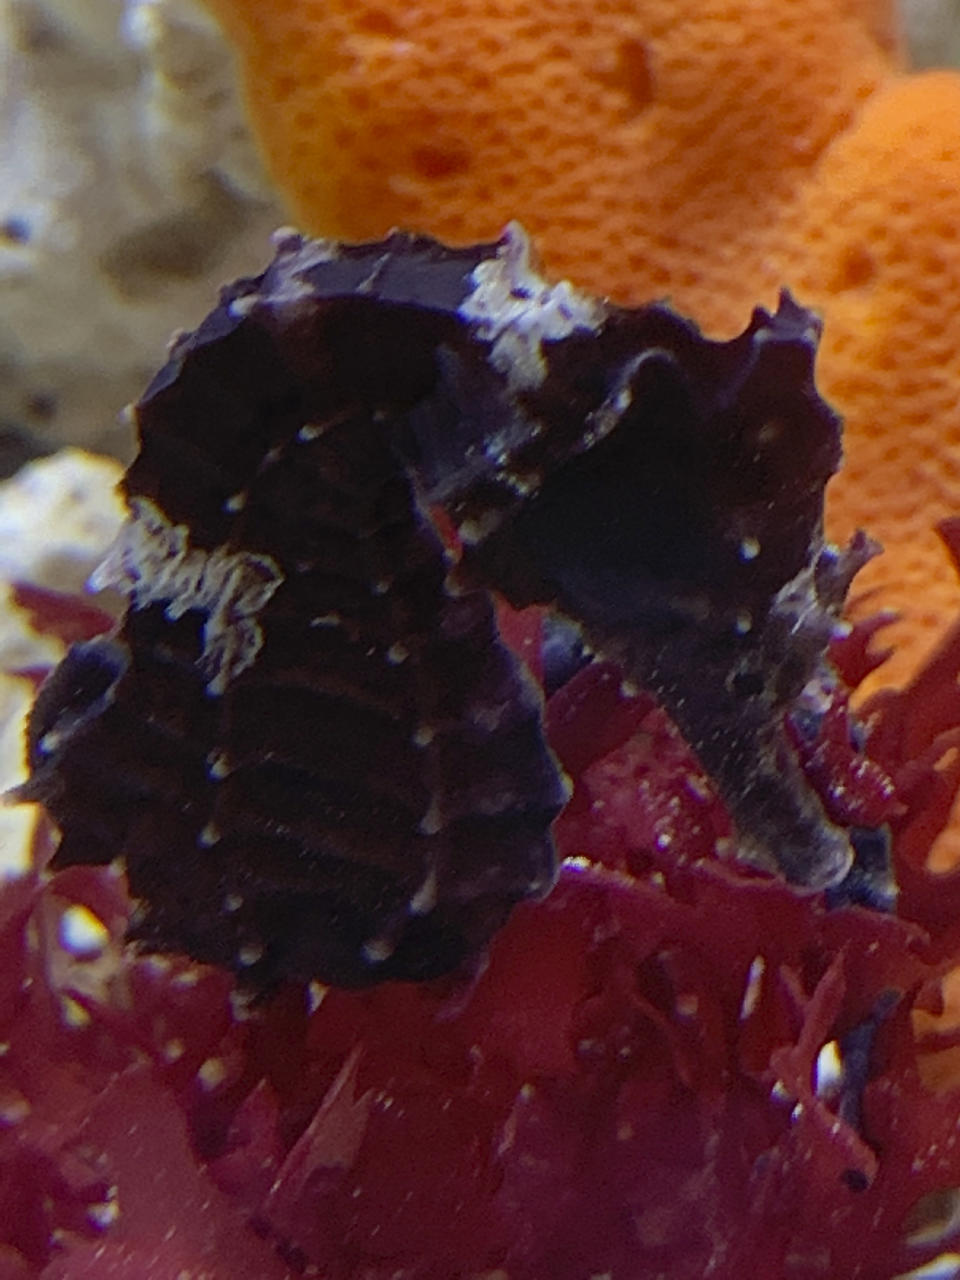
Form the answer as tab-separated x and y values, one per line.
878	251
649	147
880	17
705	152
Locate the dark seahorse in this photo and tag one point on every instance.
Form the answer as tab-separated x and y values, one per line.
306	738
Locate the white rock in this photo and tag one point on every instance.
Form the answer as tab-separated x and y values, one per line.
18	824
58	516
932	28
129	192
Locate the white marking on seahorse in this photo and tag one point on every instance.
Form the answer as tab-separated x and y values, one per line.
152	562
513	307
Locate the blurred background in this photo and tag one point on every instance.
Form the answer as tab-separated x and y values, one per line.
129	192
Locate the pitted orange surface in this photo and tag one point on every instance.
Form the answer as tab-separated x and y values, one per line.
877	250
650	148
880	17
705	152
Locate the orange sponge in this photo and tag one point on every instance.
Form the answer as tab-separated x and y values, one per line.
880	17
650	146
877	249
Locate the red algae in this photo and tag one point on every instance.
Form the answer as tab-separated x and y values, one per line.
634	1084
